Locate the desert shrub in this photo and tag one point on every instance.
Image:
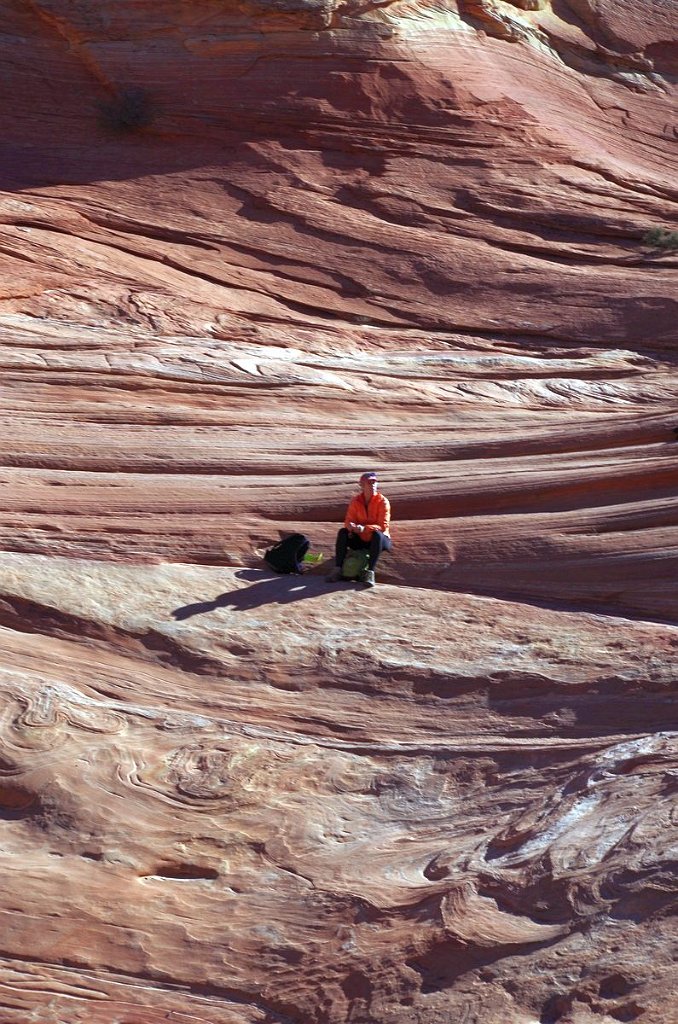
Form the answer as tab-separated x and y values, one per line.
660	238
128	110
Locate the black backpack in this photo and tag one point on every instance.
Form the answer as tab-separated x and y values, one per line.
288	554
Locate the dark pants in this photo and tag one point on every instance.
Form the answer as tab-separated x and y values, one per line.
377	543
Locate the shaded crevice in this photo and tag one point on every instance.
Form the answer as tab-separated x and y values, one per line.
182	872
17	802
449	960
24	616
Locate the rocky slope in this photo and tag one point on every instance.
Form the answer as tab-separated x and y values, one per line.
247	251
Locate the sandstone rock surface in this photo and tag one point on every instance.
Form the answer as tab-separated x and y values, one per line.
247	251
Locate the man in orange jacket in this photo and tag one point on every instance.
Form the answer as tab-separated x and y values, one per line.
366	527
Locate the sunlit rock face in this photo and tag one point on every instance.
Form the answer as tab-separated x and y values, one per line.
248	251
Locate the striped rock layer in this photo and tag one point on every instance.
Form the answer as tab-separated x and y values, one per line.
247	251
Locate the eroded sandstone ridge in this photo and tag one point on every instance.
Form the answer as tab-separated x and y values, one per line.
246	251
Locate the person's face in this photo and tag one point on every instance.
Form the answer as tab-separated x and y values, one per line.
369	487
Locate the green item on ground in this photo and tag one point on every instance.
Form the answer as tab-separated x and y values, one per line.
313	557
355	564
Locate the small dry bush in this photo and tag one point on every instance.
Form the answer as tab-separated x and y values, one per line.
660	238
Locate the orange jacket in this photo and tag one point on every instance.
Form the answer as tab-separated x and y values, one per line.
373	516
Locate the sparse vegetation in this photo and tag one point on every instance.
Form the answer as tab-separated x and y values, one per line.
128	110
660	238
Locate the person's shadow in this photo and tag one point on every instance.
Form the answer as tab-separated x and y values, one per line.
267	588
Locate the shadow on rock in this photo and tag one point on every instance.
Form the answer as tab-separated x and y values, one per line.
266	589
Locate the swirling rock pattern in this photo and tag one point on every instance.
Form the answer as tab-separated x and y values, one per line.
248	250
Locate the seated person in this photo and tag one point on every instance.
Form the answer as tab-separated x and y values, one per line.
366	526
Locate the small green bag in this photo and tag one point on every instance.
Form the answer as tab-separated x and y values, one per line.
355	564
313	558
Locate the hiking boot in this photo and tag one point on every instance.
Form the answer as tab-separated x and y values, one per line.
335	576
367	578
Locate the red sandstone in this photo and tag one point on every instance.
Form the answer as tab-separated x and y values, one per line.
228	235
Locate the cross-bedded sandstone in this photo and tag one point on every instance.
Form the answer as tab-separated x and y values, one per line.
247	251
